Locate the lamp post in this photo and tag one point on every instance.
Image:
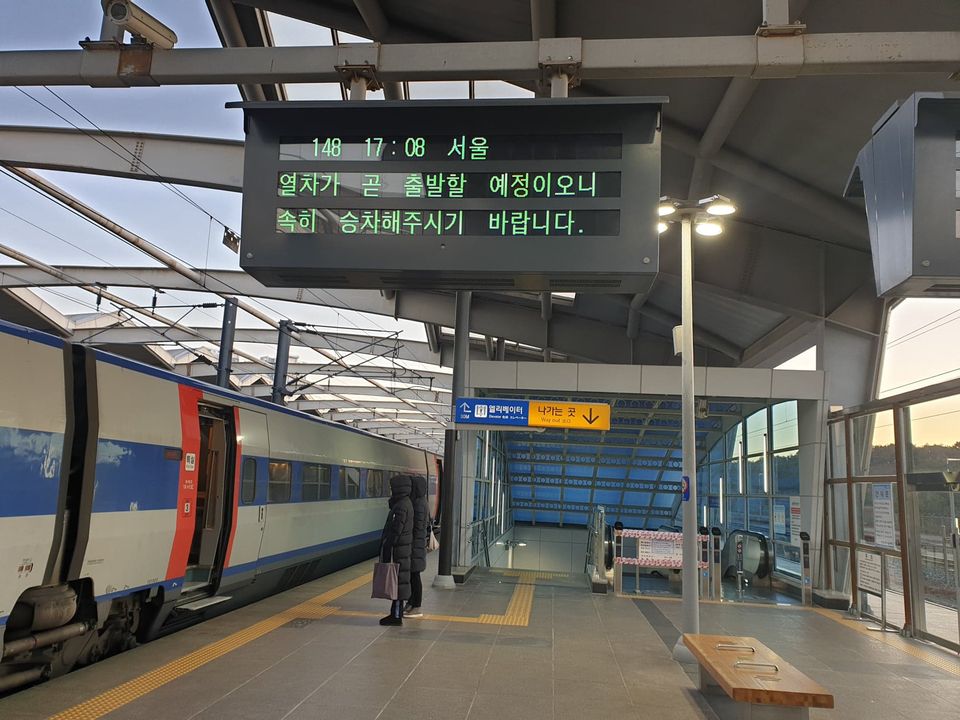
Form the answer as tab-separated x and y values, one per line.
702	216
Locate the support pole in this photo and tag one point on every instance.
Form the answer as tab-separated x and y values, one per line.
280	366
226	342
559	85
691	590
451	491
358	88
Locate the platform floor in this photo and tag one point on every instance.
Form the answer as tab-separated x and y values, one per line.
506	645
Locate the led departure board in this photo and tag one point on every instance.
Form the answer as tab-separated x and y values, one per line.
543	194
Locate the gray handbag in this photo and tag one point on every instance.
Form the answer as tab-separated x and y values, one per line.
385	582
385	579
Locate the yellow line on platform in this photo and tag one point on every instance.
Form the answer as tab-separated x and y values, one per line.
517	615
436	618
131	690
910	647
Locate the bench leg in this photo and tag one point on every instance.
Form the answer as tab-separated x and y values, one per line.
750	711
707	685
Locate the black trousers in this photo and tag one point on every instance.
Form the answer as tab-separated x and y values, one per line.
416	590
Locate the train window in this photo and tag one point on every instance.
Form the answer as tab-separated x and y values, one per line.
349	483
278	490
374	483
316	483
248	481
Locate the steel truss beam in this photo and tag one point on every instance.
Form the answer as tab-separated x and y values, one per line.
179	159
579	338
576	337
407	350
308	373
620	59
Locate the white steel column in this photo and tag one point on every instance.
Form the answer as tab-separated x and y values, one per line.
559	85
358	88
691	590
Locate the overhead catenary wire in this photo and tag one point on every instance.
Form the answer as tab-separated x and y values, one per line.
126	156
98	291
183	269
6	170
934	324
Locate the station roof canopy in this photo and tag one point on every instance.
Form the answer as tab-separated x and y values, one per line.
771	115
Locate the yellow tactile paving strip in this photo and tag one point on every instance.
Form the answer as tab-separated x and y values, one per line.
910	647
129	691
518	611
517	615
530	575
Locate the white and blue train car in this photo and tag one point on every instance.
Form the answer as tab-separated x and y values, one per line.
136	500
35	429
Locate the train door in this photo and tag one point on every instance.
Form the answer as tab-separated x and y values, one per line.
212	516
251	510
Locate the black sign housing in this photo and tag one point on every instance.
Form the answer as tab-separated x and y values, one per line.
539	194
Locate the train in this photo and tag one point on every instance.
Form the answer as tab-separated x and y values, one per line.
135	501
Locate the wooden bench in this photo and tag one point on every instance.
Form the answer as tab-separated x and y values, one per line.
763	684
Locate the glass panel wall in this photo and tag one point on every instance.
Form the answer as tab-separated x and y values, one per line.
873	450
749	476
491	516
893	511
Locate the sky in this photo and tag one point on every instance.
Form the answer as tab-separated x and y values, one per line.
922	333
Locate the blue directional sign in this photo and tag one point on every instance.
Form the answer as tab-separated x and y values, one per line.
493	411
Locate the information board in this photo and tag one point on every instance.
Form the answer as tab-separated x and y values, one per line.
545	194
870	571
795	521
533	413
780	519
884	524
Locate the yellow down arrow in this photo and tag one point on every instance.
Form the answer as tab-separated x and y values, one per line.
573	416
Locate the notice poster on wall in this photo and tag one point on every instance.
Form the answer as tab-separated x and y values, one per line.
779	519
884	529
795	521
870	571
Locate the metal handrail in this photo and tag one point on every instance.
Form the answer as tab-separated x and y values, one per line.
595	551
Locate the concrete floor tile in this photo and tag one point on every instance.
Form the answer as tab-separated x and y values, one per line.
432	704
580	656
532	679
501	706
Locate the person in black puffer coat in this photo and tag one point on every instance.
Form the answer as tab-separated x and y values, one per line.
396	542
419	558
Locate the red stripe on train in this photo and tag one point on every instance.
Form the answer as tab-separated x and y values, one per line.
187	488
236	486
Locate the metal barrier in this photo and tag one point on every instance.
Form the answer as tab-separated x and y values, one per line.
656	550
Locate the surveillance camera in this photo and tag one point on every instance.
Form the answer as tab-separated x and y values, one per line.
139	23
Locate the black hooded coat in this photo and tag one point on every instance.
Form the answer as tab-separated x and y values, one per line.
396	541
420	513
